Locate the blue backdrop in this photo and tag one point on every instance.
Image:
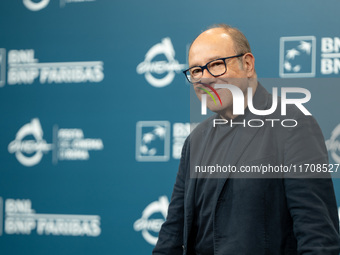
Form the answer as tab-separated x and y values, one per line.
95	109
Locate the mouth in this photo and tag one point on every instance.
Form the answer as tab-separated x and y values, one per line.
208	88
211	92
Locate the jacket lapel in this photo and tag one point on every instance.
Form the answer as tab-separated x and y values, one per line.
244	135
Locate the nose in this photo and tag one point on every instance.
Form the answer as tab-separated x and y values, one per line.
206	74
207	79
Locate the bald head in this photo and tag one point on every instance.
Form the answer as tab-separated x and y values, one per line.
216	41
222	41
240	42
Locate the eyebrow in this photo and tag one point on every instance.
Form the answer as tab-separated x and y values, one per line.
209	59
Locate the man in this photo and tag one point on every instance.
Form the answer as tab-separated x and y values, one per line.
234	215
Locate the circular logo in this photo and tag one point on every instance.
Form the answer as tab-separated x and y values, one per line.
151	68
33	6
147	224
29	152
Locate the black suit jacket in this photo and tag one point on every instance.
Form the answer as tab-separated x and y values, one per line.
278	215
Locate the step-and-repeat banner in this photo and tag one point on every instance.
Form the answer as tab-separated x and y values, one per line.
95	109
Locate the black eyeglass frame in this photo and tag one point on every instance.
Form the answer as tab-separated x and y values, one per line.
206	67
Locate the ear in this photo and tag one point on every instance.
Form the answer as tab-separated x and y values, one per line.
249	64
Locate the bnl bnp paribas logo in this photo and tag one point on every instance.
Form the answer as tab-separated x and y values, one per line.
24	68
160	66
21	219
154	140
333	144
29	146
298	56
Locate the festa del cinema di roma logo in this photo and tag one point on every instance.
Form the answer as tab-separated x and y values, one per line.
35	5
154	70
150	222
238	104
29	146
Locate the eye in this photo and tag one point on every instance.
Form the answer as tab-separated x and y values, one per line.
216	63
195	71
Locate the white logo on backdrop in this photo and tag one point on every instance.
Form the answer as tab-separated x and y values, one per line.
333	144
36	6
24	68
146	223
297	56
21	219
2	67
153	140
64	2
68	144
151	68
1	210
29	152
330	55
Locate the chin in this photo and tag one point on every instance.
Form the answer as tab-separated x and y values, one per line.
216	109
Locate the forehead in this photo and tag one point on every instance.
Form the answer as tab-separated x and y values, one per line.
210	45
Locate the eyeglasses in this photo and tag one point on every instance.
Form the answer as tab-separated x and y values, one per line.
215	67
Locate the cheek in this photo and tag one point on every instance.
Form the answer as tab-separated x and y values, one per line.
237	71
225	95
198	93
